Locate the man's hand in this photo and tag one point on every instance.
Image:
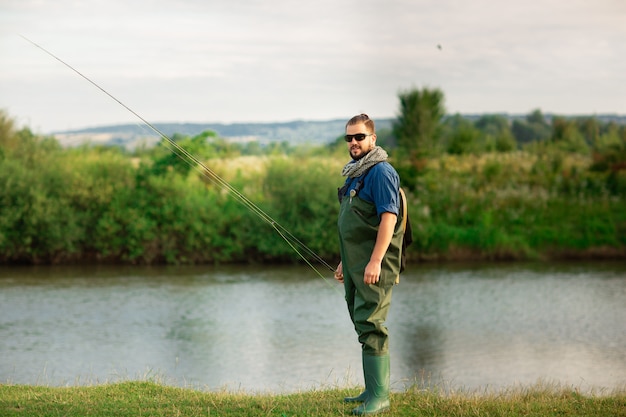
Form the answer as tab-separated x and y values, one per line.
372	272
339	273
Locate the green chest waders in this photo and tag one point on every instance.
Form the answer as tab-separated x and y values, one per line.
368	305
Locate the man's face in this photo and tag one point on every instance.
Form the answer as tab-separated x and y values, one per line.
359	149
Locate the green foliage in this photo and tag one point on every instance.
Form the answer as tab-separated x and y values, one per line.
567	137
464	137
505	206
303	195
609	150
534	128
37	221
477	201
496	130
417	131
417	127
180	156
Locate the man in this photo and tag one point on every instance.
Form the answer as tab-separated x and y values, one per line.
370	235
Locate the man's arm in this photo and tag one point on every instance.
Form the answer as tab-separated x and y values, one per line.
383	239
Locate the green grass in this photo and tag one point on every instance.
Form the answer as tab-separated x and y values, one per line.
153	399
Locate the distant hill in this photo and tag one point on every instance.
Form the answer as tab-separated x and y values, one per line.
296	132
133	135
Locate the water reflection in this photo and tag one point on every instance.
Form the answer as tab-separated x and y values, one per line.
499	326
284	329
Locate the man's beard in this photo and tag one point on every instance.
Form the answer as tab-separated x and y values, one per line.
361	155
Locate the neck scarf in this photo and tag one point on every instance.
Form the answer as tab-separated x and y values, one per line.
356	168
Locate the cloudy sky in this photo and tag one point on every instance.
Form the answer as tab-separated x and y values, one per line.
263	61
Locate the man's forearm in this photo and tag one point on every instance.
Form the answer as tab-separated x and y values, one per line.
383	238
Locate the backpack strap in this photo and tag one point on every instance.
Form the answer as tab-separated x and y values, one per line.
407	231
403	208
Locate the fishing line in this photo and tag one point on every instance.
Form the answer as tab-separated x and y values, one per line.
205	171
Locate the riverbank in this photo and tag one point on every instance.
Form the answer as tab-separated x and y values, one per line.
154	399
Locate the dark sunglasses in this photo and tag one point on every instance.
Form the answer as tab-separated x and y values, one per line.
359	137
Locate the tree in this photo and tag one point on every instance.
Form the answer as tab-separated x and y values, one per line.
533	128
590	128
496	128
464	137
417	130
170	157
566	136
417	127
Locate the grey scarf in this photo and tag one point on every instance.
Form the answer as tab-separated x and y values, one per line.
356	168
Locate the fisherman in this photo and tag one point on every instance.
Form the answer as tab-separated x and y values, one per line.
370	234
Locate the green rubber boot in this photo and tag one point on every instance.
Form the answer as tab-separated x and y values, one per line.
358	399
362	396
376	371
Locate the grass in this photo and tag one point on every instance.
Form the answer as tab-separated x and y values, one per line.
146	398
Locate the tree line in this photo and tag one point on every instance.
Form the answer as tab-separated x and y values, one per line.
486	188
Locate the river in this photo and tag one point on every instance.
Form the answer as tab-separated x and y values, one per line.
285	329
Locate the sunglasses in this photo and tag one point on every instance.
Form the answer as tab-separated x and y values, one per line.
359	137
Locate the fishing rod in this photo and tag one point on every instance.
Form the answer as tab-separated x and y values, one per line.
208	173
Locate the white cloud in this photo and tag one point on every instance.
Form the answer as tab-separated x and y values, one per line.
251	60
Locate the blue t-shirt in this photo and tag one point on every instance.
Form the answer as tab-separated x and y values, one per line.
381	187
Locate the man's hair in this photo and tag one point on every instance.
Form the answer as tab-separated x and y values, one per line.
363	118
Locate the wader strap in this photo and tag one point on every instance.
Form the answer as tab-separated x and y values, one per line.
341	192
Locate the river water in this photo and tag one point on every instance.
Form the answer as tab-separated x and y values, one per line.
284	329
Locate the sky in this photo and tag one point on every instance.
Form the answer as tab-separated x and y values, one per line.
229	61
